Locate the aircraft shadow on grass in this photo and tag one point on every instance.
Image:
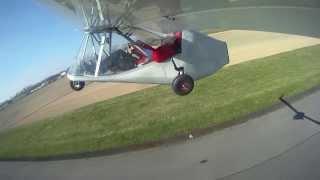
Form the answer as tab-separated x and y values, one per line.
298	114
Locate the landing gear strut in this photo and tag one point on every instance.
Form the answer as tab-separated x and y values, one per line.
77	85
183	84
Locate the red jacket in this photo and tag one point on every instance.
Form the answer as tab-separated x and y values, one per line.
165	51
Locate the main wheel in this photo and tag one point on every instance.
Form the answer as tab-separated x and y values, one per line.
183	84
77	85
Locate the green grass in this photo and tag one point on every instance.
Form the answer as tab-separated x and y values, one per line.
157	113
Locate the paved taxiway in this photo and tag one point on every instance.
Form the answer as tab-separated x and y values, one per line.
272	146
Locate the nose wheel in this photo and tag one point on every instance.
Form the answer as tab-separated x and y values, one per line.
77	85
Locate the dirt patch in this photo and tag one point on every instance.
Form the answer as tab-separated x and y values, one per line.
249	45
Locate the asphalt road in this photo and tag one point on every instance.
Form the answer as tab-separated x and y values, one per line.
272	146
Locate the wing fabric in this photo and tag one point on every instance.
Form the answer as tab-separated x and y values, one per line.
285	16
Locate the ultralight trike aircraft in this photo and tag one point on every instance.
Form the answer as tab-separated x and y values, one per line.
189	62
160	39
176	58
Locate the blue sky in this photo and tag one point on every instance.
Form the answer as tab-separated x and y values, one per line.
36	41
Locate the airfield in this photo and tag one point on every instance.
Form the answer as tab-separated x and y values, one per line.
58	98
270	145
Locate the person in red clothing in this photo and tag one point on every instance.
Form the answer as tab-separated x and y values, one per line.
168	48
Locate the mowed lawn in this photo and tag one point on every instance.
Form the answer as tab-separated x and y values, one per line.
157	113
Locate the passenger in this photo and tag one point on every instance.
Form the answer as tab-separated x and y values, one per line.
168	48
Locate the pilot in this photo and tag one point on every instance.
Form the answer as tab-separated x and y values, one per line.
142	56
169	47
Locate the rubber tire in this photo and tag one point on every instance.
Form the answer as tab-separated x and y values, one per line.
77	85
180	82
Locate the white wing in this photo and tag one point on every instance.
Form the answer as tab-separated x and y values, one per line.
285	16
